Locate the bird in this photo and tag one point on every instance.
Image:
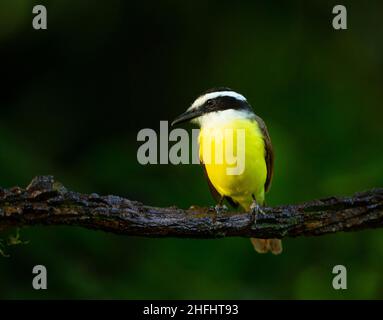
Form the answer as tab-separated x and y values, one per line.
218	111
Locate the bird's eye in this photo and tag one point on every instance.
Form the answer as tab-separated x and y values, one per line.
209	102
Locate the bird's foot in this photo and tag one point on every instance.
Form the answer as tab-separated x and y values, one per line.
255	209
218	210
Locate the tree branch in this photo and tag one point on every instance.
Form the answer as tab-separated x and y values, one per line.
46	202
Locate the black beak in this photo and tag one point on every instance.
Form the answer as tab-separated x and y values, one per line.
187	116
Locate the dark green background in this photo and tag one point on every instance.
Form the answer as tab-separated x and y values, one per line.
73	98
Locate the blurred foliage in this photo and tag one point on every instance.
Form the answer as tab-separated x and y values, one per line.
73	98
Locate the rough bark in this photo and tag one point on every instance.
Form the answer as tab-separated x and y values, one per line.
46	202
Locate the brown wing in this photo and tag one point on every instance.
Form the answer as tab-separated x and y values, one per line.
269	154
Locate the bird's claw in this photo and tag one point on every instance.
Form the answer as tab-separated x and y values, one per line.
218	210
255	209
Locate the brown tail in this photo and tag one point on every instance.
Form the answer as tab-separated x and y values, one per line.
266	245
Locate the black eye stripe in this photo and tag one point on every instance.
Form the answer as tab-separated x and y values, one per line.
225	103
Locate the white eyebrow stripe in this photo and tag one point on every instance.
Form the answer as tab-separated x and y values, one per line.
201	100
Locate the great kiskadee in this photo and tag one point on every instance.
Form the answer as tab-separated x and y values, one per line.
217	111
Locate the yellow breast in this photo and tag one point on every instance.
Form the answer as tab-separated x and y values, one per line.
233	152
